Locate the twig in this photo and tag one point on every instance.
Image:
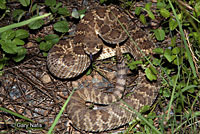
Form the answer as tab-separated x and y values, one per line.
192	53
186	5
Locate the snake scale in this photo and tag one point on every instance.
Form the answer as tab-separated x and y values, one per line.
96	36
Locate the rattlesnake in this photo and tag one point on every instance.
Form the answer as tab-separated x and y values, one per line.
97	34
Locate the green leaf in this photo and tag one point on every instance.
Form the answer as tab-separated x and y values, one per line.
150	73
21	34
197	113
176	50
75	14
4	58
8	47
53	38
145	109
197	8
153	69
166	93
25	3
78	14
34	7
61	26
18	41
17	14
172	24
45	46
89	71
152	115
50	2
21	53
45	54
54	9
128	3
160	5
148	6
3	61
36	24
2	4
138	10
167	70
133	64
180	16
158	50
177	61
148	10
102	1
160	34
151	15
173	41
59	4
143	19
82	13
8	35
164	12
1	73
196	35
1	65
168	55
64	11
38	39
128	57
156	61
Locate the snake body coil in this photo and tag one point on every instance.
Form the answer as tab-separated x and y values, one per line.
70	58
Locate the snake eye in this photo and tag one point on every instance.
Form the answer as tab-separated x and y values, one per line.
98	46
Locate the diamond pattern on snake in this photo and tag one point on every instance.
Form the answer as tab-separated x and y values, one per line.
97	36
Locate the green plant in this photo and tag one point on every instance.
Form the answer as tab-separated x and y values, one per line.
47	42
12	44
60	26
12	41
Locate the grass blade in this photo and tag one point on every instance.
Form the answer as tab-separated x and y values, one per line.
184	40
15	114
60	113
174	88
141	117
22	23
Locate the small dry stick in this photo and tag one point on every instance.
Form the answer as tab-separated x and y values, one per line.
193	56
186	5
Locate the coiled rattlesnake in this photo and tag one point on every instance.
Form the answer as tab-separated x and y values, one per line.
97	34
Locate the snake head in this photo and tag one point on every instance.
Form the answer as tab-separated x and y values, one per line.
93	46
94	49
